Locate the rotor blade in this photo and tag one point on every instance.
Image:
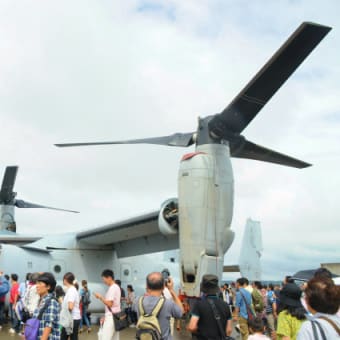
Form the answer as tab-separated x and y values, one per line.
177	139
24	204
251	150
8	183
246	105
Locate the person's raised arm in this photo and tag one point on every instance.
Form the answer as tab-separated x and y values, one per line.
170	286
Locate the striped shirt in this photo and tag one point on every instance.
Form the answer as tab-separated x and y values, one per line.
270	301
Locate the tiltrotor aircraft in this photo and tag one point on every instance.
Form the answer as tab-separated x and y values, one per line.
8	201
199	222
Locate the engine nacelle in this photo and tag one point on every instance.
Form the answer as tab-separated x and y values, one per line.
168	217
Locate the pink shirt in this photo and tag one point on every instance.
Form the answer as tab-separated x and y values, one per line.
113	294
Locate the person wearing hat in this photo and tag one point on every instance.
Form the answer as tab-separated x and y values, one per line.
291	312
203	322
49	323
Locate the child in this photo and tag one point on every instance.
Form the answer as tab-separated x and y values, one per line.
257	328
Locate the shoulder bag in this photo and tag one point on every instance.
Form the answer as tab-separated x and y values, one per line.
249	311
120	320
218	320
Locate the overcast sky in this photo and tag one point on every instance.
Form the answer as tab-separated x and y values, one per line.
108	70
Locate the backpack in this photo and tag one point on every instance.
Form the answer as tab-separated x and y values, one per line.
32	325
148	327
86	298
257	301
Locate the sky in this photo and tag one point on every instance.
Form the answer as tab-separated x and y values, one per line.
81	70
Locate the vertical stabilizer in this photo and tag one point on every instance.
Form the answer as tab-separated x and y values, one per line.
251	251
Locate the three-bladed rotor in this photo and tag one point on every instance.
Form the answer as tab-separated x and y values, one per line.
7	195
230	123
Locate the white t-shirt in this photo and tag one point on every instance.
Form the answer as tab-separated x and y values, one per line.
73	296
113	294
31	298
167	294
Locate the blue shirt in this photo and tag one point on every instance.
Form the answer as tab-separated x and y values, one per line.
4	286
241	304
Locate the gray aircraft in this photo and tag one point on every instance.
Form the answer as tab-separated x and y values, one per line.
122	246
199	222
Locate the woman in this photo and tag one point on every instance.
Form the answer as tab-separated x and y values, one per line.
49	323
59	294
129	301
85	295
71	302
291	312
323	302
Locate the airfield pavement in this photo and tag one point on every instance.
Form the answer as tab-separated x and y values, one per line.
127	334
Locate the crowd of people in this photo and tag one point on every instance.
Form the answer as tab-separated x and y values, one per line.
256	311
62	311
309	311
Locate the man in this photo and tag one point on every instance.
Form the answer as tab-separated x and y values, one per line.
172	308
203	322
243	302
257	299
112	305
4	288
288	279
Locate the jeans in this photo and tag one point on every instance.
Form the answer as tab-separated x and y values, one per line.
2	311
132	316
84	318
14	319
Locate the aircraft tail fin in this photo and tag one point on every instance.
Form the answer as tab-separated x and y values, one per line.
251	251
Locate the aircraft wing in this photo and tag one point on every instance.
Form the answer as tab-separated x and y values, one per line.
8	237
135	236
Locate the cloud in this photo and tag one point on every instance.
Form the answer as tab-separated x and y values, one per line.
83	71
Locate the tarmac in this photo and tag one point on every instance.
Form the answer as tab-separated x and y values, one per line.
126	334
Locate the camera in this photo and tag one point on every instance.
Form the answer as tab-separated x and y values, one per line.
165	275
